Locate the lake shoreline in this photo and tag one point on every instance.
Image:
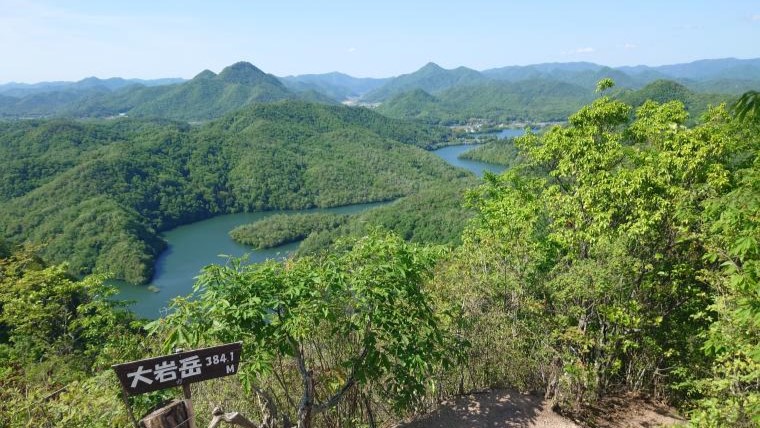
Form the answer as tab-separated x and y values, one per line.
192	246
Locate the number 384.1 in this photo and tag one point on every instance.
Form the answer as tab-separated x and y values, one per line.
219	358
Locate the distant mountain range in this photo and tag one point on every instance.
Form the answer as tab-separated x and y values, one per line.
335	85
90	83
206	96
534	92
729	76
550	92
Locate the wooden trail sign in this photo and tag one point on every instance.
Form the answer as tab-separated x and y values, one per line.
152	374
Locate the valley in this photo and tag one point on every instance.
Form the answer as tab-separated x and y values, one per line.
191	247
102	192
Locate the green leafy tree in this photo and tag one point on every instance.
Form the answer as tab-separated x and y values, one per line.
748	106
57	335
493	284
604	84
731	391
318	330
597	241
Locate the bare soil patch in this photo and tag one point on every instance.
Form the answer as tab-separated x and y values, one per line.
630	410
498	408
506	408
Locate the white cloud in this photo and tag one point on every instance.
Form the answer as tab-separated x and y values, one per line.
579	51
629	46
351	50
756	17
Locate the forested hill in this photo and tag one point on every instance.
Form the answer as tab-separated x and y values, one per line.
430	78
531	100
209	95
96	194
535	99
726	75
663	91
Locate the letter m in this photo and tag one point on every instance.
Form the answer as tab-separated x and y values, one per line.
230	368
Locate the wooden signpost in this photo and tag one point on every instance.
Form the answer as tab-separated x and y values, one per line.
178	369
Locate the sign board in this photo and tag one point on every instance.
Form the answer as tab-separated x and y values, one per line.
152	374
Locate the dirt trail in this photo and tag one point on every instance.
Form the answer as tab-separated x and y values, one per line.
503	408
493	409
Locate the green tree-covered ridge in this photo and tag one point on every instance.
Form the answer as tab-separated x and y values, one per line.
97	194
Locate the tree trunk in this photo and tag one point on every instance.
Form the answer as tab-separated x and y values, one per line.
307	402
173	415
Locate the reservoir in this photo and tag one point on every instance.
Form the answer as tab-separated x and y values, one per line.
510	133
193	246
451	154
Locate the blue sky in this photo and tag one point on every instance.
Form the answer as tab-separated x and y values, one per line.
69	40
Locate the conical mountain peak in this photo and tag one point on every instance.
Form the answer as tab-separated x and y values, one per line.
241	72
431	66
205	74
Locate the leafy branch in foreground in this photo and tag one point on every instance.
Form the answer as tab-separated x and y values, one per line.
731	390
748	106
318	330
58	336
